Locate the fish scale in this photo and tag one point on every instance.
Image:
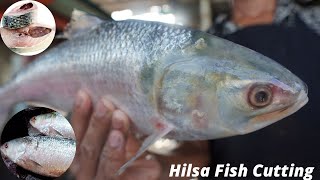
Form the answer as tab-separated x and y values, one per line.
17	21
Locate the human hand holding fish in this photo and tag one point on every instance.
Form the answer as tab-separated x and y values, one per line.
96	156
104	143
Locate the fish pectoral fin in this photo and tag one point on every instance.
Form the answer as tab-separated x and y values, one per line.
81	22
145	145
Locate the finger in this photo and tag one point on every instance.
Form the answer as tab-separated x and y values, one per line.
81	114
120	121
113	155
94	139
79	120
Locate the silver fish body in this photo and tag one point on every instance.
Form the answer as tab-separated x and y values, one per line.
161	76
47	156
51	124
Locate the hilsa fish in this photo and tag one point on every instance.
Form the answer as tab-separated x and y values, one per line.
43	155
171	81
51	124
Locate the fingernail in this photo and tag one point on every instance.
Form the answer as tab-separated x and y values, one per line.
101	110
115	139
79	98
117	122
108	104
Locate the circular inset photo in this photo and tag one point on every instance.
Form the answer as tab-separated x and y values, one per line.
27	27
38	143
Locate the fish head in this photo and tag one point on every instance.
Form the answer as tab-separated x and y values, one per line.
14	149
37	121
224	89
42	120
34	121
38	124
248	102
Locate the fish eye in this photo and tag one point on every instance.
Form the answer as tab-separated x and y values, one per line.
260	96
6	145
33	119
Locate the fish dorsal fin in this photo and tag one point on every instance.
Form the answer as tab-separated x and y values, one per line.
146	144
80	22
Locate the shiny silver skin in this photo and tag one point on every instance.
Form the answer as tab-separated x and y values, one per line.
160	75
51	124
47	156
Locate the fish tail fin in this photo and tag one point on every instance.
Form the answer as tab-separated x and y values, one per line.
7	100
145	145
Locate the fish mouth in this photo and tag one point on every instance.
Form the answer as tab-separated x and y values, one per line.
272	117
299	103
2	151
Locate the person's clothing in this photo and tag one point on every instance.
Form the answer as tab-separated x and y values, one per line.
294	139
286	13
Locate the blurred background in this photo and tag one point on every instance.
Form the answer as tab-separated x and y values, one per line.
223	18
